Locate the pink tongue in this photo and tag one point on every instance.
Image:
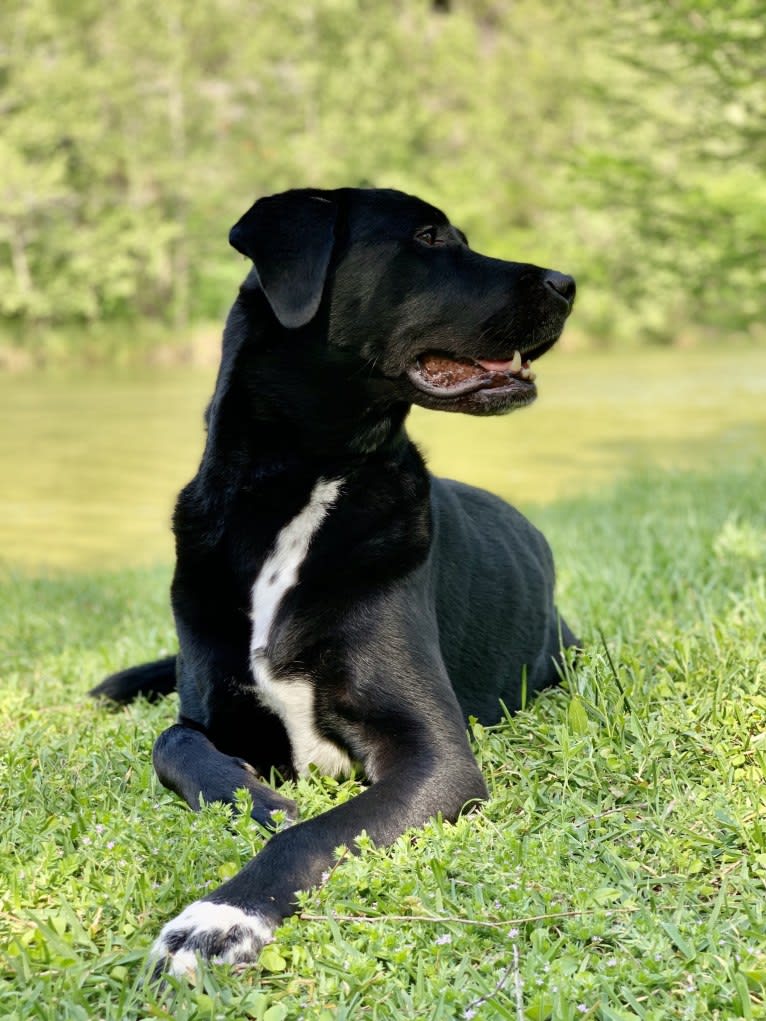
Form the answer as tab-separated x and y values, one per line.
495	366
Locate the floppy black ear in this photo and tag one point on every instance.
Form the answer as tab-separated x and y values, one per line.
290	238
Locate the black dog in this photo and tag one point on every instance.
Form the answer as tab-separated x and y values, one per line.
334	602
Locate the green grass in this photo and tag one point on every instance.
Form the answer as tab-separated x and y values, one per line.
616	872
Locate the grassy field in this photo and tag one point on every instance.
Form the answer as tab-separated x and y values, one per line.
618	870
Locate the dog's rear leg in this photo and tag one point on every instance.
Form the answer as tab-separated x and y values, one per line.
187	762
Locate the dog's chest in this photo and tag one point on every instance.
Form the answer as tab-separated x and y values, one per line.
292	698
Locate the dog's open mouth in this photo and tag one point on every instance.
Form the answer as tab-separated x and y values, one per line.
443	375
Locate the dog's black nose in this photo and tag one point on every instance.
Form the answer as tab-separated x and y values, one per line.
563	285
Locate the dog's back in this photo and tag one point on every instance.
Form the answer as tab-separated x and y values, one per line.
500	632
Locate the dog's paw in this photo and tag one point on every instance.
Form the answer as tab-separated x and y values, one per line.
220	933
239	773
270	802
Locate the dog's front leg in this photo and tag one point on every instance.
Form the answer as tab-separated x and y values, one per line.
423	774
187	762
224	738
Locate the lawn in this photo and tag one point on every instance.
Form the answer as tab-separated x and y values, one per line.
618	870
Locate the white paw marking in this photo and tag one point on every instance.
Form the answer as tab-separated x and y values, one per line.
292	698
221	933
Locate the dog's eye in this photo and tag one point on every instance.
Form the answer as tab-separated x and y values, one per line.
428	236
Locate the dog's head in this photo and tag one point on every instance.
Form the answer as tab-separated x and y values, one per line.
392	289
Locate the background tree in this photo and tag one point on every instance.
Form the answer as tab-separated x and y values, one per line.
622	142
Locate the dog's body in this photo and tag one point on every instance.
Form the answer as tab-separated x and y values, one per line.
334	603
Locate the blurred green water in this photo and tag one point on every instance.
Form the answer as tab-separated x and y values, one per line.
90	464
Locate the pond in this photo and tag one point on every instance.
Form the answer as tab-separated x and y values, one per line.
90	463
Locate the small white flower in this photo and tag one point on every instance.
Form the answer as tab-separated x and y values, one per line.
513	933
444	938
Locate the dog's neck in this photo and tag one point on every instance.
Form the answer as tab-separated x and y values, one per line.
265	421
256	457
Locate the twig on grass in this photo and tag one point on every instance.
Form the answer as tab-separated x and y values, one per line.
517	984
640	806
470	1010
18	919
308	916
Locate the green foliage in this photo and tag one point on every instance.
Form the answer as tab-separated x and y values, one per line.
674	155
616	872
618	141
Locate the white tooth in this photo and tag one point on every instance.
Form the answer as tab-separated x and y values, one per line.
515	362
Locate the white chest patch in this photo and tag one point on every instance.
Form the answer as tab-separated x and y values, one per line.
292	698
